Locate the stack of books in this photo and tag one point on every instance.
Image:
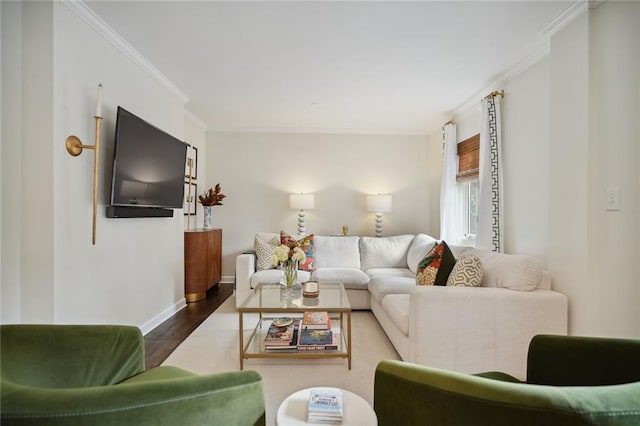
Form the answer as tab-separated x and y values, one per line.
325	406
282	334
315	332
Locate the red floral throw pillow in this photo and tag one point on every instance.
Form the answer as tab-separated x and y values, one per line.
307	246
435	267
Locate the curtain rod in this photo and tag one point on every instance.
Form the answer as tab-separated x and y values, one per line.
452	121
495	93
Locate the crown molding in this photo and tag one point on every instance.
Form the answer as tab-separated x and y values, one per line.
94	21
195	119
313	130
499	82
566	17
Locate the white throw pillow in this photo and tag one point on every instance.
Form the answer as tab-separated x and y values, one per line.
512	271
420	246
385	252
337	252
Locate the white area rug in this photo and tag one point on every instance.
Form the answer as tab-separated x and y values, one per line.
213	348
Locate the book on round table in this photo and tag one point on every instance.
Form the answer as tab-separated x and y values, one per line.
325	405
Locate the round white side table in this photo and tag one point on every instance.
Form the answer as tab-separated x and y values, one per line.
356	411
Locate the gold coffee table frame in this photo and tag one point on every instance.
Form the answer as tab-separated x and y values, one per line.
270	299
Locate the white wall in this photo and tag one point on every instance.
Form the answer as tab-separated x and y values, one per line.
258	171
134	273
195	134
614	143
11	46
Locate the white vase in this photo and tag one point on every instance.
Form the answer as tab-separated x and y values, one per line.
208	211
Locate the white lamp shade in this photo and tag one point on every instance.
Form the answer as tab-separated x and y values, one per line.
302	201
379	203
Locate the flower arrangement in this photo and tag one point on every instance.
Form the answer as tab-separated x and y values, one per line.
212	197
289	258
285	255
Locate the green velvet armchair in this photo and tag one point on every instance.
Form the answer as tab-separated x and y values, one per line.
570	381
94	375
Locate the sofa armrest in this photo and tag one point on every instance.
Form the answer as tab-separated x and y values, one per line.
245	268
167	396
475	329
410	394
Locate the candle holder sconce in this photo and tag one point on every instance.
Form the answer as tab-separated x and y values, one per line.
75	147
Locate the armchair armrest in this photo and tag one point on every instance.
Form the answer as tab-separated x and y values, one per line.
233	398
474	329
410	394
245	267
70	355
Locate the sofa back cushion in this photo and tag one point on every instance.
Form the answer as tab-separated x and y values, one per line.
337	252
385	252
420	246
512	271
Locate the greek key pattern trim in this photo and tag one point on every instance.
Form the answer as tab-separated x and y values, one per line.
495	175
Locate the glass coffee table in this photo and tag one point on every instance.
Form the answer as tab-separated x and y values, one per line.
272	300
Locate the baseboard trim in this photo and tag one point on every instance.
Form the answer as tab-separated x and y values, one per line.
228	279
163	316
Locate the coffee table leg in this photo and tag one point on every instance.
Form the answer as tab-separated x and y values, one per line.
349	339
241	339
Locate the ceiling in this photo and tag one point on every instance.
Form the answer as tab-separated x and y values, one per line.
333	66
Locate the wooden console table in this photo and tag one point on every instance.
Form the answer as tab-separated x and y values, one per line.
202	262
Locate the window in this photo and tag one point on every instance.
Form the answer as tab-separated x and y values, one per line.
468	196
468	185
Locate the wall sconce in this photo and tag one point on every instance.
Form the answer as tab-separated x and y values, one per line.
301	202
75	147
379	204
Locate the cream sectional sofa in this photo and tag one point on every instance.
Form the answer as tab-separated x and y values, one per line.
466	329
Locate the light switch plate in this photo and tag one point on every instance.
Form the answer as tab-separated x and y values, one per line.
613	199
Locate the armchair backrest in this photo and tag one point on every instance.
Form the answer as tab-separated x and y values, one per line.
70	356
582	361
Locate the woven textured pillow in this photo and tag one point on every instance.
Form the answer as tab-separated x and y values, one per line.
307	246
264	250
467	272
435	267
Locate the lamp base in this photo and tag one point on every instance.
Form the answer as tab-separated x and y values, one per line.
379	225
301	227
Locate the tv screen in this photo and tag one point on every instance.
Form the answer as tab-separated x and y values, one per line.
148	165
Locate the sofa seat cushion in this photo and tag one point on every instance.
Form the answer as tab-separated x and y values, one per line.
275	276
379	287
351	278
390	272
337	252
396	306
385	252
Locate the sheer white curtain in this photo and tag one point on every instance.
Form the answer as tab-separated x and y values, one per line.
450	221
490	201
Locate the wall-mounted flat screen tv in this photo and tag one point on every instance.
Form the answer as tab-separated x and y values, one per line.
148	165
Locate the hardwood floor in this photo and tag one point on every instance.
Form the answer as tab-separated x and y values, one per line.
162	340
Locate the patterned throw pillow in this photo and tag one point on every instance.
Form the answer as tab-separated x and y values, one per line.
306	244
264	250
435	267
467	272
